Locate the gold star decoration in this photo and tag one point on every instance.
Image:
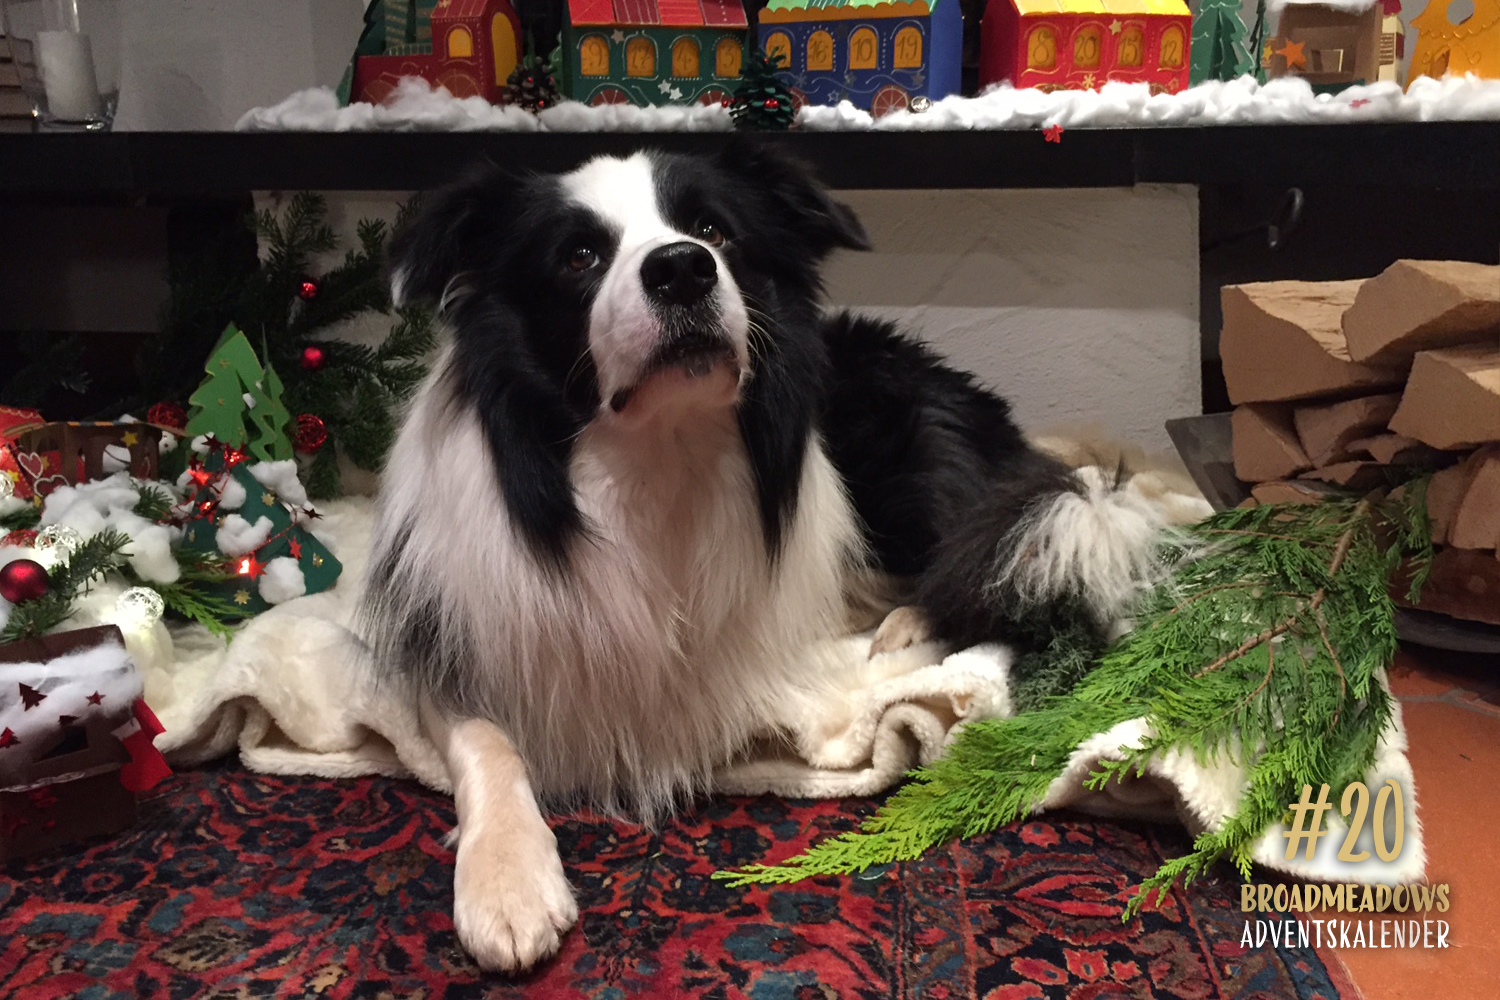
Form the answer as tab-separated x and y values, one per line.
223	363
1114	27
130	438
317	560
268	498
242	596
1292	52
220	522
1089	80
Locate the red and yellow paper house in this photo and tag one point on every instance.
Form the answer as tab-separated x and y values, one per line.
1083	44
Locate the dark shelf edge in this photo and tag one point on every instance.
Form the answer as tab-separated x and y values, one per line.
1464	155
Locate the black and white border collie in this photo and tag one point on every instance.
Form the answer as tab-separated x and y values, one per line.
647	471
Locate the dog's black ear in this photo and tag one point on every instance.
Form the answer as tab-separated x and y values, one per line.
435	232
815	215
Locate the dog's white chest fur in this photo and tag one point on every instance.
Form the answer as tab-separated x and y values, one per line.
626	678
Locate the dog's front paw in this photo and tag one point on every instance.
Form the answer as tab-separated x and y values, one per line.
511	902
903	627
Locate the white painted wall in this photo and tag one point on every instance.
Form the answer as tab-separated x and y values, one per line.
1080	306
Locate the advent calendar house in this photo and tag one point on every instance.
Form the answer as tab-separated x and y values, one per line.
652	51
878	55
467	46
1083	44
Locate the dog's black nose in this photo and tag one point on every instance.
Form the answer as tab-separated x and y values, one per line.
679	273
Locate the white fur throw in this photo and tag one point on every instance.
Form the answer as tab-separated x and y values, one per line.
294	694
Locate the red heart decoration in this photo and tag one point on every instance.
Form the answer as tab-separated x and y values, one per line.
30	463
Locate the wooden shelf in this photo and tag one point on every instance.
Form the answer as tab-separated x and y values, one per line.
169	165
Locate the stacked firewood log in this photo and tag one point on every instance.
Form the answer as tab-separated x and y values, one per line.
1337	383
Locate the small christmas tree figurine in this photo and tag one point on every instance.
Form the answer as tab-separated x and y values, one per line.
761	101
531	85
1218	49
218	405
270	440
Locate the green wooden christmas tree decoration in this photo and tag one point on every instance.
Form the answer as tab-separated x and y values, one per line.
1218	50
218	406
761	101
288	537
270	438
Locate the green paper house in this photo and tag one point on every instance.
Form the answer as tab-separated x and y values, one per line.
648	52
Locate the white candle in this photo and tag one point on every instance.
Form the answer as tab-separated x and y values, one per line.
67	63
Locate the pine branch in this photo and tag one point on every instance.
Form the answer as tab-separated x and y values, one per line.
212	612
1297	702
154	503
24	519
68	581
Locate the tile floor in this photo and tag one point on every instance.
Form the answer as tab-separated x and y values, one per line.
1451	706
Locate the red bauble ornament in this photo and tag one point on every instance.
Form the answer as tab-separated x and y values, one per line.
23	580
313	357
311	433
772	103
167	415
308	290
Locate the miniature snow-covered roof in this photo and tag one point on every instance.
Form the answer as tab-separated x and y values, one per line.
1126	7
668	13
452	10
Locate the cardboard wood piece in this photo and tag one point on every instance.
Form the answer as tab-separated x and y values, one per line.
1445	492
1325	431
1265	443
1284	340
1452	399
1476	525
1462	583
1393	449
1350	475
1419	305
1293	492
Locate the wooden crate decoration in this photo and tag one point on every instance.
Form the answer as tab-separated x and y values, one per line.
1083	44
468	46
1334	47
74	740
880	56
649	52
1470	46
41	457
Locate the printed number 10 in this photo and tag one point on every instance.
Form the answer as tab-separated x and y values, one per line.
1359	795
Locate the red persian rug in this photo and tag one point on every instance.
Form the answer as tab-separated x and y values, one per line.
243	885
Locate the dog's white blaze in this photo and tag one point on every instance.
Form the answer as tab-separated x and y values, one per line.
622	328
662	649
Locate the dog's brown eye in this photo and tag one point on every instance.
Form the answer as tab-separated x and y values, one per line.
582	258
709	232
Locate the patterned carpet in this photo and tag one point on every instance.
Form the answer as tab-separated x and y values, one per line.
239	885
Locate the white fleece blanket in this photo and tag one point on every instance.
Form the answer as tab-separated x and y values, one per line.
294	694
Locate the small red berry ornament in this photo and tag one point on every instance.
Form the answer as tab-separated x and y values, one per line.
23	580
308	290
167	415
311	434
313	357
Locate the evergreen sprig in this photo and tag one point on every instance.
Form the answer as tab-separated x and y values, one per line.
67	582
21	520
1263	648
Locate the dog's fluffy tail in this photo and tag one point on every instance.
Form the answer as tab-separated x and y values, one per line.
1049	540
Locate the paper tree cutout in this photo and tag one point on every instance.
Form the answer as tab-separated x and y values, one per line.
1218	50
271	421
220	407
288	537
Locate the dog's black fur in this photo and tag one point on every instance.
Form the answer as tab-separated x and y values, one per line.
938	472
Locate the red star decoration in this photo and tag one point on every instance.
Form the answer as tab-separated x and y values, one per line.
200	475
30	697
296	546
311	514
1293	53
1053	133
1359	102
66	720
211	443
8	739
250	566
42	798
95	698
